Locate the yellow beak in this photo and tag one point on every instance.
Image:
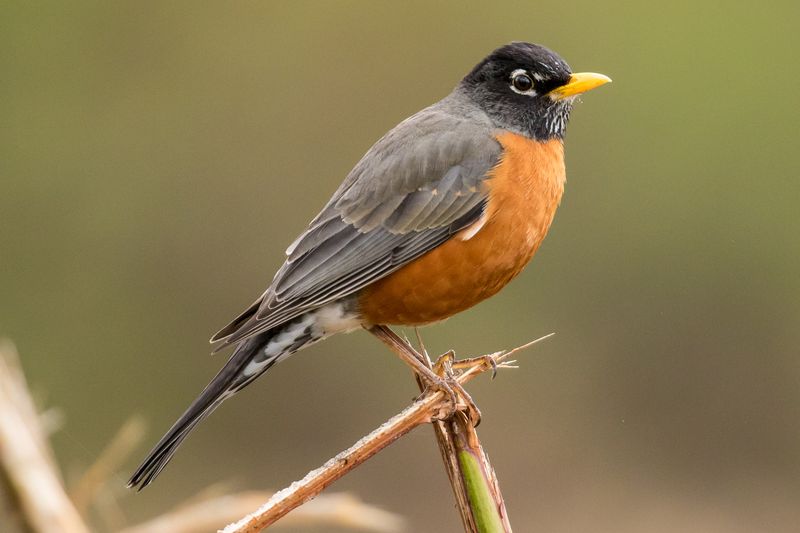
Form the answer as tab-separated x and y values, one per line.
579	83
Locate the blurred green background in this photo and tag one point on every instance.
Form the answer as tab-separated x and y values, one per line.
157	158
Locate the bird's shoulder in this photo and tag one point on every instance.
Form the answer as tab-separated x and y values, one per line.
420	150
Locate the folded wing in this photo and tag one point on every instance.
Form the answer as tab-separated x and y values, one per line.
416	187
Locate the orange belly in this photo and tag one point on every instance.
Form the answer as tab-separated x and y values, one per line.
524	190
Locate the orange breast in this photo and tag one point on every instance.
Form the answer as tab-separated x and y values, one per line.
524	190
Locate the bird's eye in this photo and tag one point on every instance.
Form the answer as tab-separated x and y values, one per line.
522	83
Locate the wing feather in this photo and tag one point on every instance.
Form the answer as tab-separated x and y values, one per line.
416	187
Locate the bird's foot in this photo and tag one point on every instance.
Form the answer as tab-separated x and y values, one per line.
485	362
452	403
438	377
444	367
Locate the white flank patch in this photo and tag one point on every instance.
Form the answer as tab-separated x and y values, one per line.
472	230
333	318
308	328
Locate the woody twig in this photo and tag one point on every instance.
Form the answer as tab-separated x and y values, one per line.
422	411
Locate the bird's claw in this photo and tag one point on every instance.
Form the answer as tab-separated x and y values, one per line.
451	404
485	361
463	402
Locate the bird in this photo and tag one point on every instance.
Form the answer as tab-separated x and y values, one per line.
438	215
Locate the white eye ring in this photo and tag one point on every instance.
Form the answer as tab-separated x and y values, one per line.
522	71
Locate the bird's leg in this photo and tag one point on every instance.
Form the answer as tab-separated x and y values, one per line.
417	362
444	366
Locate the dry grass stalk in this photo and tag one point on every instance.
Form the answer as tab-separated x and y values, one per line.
208	514
26	459
86	490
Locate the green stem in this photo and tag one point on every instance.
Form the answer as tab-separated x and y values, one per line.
485	501
481	496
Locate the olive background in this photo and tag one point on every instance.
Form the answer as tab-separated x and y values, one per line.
156	158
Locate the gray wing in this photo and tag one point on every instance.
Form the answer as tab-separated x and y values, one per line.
416	187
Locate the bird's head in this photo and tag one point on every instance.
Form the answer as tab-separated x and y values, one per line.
527	88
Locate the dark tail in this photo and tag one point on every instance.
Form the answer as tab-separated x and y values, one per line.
247	363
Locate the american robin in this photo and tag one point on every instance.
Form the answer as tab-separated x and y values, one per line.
441	213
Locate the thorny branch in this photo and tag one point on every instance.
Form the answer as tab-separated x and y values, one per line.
420	412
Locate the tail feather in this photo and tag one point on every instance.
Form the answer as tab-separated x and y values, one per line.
250	359
227	382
